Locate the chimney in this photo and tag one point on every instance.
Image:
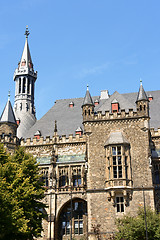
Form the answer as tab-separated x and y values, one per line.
104	94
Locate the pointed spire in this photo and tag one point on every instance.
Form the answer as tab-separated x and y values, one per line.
141	94
26	61
88	99
8	114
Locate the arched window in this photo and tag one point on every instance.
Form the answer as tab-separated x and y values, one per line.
19	85
76	180
45	178
74	214
63	181
140	107
24	85
28	86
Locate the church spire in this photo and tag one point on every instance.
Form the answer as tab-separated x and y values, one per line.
142	102
141	94
26	61
8	114
88	99
25	77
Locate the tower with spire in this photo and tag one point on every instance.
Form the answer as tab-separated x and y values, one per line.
25	77
88	106
142	102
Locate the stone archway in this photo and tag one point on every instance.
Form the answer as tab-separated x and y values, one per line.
78	220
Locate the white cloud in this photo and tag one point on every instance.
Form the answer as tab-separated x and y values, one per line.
93	70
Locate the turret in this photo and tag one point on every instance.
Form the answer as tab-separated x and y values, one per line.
8	125
88	106
142	102
25	77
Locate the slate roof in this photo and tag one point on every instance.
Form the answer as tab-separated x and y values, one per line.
141	94
8	114
69	119
87	99
116	138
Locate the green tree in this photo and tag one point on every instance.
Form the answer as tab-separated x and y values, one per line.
21	195
133	228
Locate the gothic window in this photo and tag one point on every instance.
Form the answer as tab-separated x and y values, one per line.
32	88
76	180
156	174
63	181
75	216
28	86
117	162
76	176
45	177
20	106
63	177
27	106
24	85
19	85
140	107
120	204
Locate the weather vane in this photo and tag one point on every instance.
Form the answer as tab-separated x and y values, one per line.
9	95
26	32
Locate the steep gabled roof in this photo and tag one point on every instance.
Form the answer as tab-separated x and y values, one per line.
141	94
87	99
8	114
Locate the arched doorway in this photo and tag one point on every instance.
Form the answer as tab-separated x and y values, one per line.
72	220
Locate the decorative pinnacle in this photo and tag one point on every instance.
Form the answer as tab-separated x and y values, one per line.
9	95
55	126
26	32
87	87
140	81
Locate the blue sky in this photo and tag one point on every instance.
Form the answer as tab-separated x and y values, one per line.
108	44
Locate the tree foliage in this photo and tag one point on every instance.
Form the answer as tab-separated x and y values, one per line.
21	194
133	228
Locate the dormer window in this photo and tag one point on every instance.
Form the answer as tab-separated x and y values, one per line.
37	134
96	102
79	131
18	122
150	97
71	104
115	106
23	62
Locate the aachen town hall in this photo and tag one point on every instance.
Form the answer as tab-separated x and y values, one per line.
98	154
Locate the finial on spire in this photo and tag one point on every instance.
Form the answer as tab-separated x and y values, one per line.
87	87
140	81
9	95
27	32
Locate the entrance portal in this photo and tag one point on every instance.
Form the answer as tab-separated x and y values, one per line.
73	220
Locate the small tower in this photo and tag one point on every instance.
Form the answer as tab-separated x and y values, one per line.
25	77
88	106
8	125
142	102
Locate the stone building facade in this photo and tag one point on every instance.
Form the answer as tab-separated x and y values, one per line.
98	155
